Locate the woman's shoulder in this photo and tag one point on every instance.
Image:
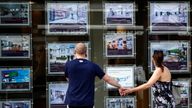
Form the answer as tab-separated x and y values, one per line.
166	68
158	69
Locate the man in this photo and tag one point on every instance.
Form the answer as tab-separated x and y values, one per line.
81	75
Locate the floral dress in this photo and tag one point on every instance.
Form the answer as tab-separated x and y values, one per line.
162	95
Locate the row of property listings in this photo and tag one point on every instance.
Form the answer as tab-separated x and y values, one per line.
72	18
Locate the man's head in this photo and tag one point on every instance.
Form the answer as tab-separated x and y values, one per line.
80	49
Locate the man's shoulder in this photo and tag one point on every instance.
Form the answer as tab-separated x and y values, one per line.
89	62
94	64
70	62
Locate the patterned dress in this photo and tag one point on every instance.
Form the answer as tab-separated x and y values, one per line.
162	95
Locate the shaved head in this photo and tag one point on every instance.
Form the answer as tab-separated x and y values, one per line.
80	48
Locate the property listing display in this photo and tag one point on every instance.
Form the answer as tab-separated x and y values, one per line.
38	39
181	91
15	79
67	18
169	17
119	45
58	55
56	94
119	14
123	74
176	55
15	46
15	13
120	102
15	104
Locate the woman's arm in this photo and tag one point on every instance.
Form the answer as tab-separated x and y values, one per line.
156	75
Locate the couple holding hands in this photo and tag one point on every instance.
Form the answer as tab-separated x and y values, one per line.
81	74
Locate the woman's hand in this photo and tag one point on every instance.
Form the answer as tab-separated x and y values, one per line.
126	91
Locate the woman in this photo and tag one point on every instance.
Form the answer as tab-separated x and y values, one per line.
160	82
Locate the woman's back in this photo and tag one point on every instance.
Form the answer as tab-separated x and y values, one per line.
162	91
165	75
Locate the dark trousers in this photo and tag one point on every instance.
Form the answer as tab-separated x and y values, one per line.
80	106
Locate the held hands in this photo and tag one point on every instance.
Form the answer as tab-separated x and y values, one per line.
124	91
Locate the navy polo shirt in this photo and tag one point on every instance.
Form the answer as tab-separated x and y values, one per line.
81	74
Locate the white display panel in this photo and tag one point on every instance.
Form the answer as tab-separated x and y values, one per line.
119	14
15	46
56	94
15	13
169	17
119	45
59	54
15	103
120	102
176	55
15	79
123	74
67	18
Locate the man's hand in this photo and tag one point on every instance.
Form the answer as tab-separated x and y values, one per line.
121	91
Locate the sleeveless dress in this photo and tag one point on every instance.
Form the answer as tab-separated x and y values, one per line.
162	95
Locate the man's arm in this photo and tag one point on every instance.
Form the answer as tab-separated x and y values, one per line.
111	81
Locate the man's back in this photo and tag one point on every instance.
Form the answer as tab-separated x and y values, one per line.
81	74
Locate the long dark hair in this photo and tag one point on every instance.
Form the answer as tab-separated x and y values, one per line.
158	59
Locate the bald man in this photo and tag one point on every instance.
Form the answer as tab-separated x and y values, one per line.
81	74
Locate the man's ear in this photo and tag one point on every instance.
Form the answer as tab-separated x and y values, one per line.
85	54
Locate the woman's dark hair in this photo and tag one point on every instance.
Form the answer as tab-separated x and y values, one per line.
158	59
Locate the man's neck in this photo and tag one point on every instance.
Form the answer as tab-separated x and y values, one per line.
77	56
